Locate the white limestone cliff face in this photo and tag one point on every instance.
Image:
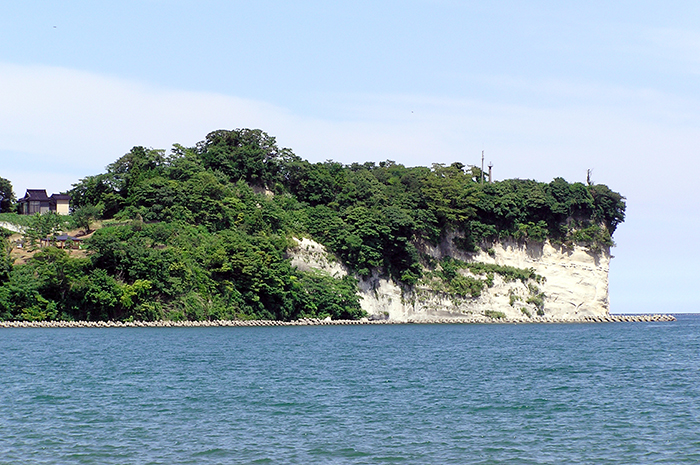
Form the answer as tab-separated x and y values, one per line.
308	255
575	286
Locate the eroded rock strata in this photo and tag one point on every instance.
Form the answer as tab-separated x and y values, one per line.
574	285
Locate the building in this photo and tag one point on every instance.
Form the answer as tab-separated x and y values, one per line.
36	201
59	203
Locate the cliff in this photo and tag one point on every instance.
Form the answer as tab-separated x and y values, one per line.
571	284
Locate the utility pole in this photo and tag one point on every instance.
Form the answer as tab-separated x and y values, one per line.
482	167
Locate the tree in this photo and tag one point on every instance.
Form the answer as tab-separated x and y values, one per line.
608	206
7	196
43	225
139	164
246	154
98	190
85	215
5	259
451	193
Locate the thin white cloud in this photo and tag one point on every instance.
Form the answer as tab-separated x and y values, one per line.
69	121
82	117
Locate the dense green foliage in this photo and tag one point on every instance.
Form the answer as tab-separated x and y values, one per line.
202	232
7	196
176	271
5	261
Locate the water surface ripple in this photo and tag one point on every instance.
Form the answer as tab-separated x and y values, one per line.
410	394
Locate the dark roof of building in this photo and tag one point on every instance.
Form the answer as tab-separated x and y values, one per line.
36	194
63	238
40	195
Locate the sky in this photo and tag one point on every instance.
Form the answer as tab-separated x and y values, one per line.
544	88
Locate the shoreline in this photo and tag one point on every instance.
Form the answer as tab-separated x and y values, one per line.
480	319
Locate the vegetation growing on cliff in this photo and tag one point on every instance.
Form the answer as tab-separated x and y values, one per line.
201	232
446	276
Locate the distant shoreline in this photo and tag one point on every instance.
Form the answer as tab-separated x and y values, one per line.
319	322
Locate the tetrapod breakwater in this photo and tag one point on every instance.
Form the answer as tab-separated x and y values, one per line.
471	319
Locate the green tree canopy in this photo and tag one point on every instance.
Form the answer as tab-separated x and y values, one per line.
7	196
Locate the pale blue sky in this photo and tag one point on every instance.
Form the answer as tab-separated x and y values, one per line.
545	88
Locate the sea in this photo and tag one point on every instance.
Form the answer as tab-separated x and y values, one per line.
615	393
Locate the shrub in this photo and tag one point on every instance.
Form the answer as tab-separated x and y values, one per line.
496	315
514	298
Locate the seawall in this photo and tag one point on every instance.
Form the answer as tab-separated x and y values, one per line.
326	322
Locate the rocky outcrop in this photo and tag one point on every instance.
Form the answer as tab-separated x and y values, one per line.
11	227
574	288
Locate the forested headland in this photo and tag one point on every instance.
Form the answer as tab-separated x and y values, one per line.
202	232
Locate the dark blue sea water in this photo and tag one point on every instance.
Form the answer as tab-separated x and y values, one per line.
411	394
